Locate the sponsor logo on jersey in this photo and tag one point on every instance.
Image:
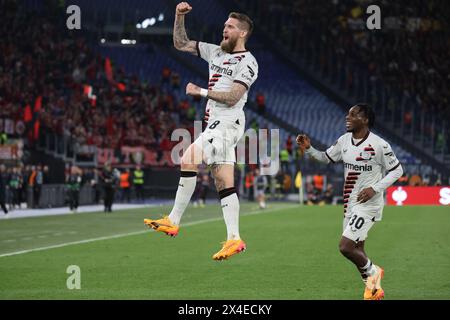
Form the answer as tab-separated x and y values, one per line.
247	78
355	167
218	69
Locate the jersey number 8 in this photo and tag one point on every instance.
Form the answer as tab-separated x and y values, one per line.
214	124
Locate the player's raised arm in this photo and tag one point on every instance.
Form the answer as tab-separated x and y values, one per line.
304	143
229	98
180	38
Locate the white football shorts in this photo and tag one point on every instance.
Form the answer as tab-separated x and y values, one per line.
219	140
357	225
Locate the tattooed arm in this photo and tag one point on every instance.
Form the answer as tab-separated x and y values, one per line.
230	98
180	38
227	97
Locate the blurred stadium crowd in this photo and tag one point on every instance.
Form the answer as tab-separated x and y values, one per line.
408	56
44	82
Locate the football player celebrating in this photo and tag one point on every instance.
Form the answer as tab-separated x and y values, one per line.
232	70
365	156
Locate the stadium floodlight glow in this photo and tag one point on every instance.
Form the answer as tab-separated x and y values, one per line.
128	41
149	22
145	23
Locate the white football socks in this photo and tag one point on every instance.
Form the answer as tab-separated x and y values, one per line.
369	269
186	188
230	208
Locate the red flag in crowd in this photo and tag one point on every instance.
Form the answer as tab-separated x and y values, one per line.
38	104
37	125
27	116
108	70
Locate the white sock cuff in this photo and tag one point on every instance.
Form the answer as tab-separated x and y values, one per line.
367	266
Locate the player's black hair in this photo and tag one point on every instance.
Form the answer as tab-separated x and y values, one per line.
368	113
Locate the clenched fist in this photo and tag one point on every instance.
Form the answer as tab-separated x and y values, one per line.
192	90
303	142
183	8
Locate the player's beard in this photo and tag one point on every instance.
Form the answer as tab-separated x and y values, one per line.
228	46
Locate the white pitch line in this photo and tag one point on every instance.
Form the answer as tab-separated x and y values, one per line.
121	235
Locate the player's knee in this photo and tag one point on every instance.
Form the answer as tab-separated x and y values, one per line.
219	183
345	249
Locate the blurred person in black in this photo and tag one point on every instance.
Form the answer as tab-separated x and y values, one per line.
3	188
15	184
46	177
328	195
37	186
20	192
90	177
109	180
26	180
7	174
74	185
96	185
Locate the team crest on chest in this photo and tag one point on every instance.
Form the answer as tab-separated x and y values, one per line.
367	154
234	60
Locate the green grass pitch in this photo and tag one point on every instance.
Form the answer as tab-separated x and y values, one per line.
292	253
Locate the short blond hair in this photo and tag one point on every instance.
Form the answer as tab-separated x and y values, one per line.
245	21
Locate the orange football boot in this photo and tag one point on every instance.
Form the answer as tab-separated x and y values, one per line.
230	248
163	225
373	289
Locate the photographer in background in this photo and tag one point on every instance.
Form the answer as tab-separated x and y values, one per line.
109	179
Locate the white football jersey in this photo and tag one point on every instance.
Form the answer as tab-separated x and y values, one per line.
224	69
365	163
